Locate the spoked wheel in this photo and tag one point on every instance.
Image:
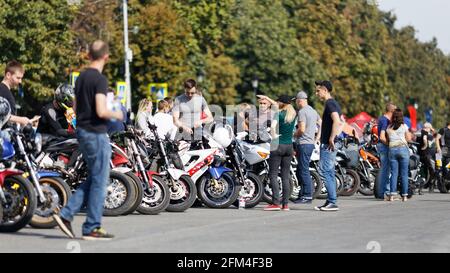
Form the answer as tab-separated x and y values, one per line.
183	193
156	198
268	192
57	194
252	190
218	193
351	182
20	203
121	194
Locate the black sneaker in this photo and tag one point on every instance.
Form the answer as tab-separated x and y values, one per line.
330	207
64	225
98	234
319	207
303	201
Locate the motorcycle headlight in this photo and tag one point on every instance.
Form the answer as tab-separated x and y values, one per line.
38	142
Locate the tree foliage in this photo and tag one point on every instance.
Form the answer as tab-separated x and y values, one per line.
286	44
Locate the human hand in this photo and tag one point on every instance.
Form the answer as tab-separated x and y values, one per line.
331	146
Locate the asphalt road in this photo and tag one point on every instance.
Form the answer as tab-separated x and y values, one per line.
362	225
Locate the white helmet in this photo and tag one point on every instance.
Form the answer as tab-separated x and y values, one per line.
223	136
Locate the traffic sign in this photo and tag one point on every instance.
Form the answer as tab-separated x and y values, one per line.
121	92
159	90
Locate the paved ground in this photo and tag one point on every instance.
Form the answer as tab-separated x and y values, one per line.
362	225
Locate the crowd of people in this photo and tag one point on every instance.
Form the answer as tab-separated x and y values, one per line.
289	131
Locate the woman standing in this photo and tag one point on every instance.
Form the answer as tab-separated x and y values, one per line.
398	138
144	115
281	151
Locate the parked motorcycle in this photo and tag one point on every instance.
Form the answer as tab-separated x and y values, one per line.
442	175
216	183
64	157
53	192
18	199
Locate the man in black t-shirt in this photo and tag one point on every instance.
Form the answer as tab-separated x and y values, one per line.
14	72
425	142
443	145
331	128
92	115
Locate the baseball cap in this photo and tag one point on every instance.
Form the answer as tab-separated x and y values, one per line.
326	84
301	95
284	99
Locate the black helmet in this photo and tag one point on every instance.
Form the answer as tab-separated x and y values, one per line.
64	95
5	111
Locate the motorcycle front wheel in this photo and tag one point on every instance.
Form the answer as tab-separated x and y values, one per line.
57	194
218	193
21	201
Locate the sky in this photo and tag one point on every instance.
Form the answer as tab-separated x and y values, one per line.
430	18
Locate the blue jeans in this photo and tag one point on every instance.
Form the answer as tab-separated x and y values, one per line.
304	152
399	160
96	152
327	171
383	151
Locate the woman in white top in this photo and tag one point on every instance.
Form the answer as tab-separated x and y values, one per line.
398	138
144	115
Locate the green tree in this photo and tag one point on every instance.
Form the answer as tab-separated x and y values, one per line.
160	49
268	49
37	34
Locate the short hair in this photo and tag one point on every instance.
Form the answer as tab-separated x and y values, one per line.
13	66
162	104
390	107
190	83
98	50
168	99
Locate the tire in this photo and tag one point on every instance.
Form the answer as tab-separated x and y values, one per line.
139	192
377	192
267	194
120	196
221	199
184	197
58	192
1	212
366	188
155	200
443	186
323	194
317	182
22	201
254	191
351	182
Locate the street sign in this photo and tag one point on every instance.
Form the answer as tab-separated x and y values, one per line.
121	92
73	78
160	90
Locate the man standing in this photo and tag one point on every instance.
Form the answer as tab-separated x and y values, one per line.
426	141
92	114
308	121
443	146
13	78
187	112
383	150
331	127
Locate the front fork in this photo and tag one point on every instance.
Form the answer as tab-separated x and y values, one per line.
31	170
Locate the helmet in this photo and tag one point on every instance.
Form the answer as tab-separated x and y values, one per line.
64	95
5	111
223	136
